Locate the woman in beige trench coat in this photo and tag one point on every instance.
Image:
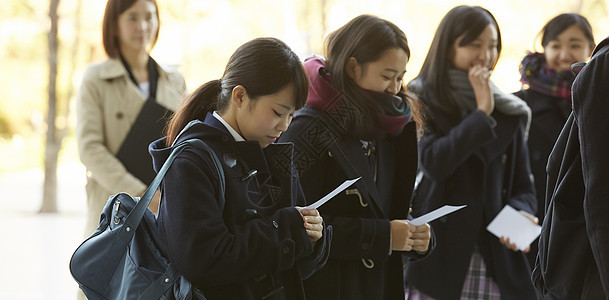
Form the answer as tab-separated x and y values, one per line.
109	100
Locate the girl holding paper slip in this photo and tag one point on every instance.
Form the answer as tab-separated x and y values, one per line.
247	241
473	152
359	122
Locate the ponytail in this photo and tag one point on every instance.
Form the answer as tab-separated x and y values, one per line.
263	66
203	100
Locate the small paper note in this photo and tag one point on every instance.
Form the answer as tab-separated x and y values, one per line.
511	224
333	193
440	212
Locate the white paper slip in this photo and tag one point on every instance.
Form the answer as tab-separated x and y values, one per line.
430	216
333	193
511	224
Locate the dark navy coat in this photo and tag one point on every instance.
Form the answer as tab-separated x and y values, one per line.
470	161
361	264
549	114
254	246
573	259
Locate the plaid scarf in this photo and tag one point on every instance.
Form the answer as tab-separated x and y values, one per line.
324	96
540	77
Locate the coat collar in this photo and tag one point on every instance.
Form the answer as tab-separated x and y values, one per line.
275	172
276	158
275	177
113	68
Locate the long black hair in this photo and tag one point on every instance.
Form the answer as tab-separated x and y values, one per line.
263	66
432	83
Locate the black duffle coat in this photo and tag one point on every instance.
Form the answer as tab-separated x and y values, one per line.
254	244
361	263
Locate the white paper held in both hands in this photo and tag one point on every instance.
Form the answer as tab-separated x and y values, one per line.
518	228
333	193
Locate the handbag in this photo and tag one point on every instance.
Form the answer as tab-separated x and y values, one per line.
123	258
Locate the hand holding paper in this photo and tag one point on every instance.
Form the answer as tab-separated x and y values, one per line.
418	236
313	223
516	227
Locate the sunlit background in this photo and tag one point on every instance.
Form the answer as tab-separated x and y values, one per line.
199	36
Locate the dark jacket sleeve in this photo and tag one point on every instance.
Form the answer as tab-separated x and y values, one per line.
312	263
591	107
441	154
201	245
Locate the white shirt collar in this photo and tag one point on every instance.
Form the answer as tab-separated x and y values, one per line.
232	131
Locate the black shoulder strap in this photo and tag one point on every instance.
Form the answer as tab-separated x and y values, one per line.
134	218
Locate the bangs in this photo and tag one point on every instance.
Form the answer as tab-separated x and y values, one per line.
301	86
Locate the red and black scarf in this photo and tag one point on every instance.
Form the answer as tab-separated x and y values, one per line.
324	96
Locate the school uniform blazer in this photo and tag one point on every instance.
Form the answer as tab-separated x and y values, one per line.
107	104
361	264
252	246
573	259
471	162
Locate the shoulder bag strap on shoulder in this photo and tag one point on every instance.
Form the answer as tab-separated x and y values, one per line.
134	218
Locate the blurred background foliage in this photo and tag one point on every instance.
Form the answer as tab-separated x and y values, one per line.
199	36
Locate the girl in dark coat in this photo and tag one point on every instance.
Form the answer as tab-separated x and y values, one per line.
256	244
547	80
358	122
472	152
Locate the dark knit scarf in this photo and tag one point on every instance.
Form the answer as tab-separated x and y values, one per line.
536	73
324	96
463	94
